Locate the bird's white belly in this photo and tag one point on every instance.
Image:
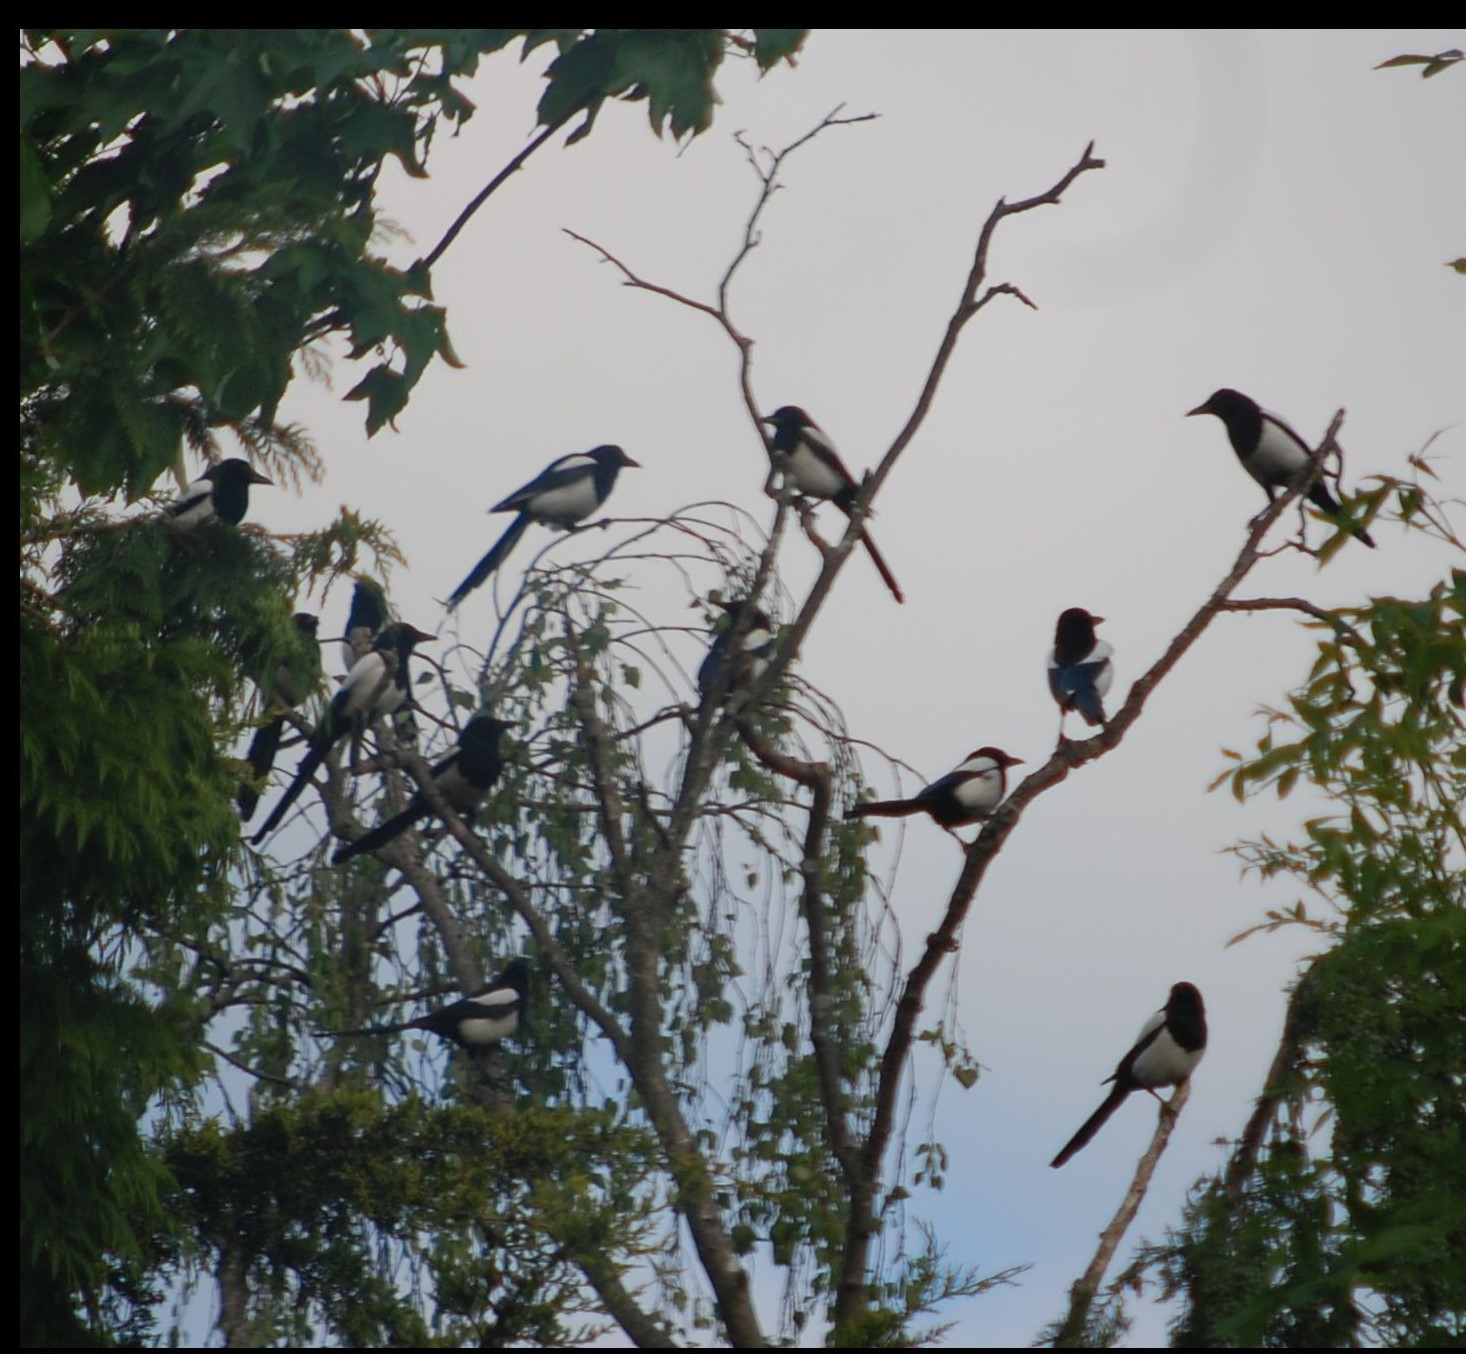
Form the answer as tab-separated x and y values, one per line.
567	505
811	476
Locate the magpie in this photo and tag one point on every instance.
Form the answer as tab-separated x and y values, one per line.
564	493
724	672
1271	452
959	798
222	491
1080	670
365	620
1166	1053
476	1021
295	677
802	451
463	778
377	685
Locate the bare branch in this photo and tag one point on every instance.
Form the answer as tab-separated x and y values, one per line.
1081	1296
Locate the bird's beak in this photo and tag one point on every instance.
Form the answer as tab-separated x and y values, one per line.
1096	620
764	418
630	462
256	478
421	636
1015	761
1200	409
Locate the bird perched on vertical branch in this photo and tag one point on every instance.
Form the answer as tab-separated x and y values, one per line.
1080	670
730	673
478	1020
960	798
1272	453
222	491
377	685
463	778
294	678
365	620
1166	1053
562	495
802	451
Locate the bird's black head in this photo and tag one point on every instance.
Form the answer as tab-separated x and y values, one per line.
1076	629
788	416
758	618
401	638
307	623
1226	404
236	470
483	731
995	755
1185	995
515	975
612	455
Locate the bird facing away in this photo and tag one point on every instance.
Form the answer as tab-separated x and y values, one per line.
476	1021
222	491
726	673
365	620
563	494
295	677
1166	1053
463	778
961	797
1080	670
377	685
803	453
1271	452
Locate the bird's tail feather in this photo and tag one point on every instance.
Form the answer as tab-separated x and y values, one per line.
884	808
882	567
314	756
262	749
383	833
498	553
1092	1125
1320	497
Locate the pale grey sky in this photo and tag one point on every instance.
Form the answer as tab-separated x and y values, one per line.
1276	216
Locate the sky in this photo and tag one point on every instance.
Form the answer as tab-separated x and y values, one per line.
1275	215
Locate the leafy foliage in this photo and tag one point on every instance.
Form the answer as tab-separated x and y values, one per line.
198	221
1342	1217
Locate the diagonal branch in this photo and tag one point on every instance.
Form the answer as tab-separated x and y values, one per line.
1081	1296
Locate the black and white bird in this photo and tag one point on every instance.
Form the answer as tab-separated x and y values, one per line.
961	797
563	494
478	1020
377	686
804	454
365	620
729	673
1080	670
1271	452
294	678
463	778
1166	1053
222	491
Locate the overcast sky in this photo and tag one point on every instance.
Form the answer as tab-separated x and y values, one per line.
1275	216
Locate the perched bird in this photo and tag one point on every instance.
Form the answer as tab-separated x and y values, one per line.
804	454
1080	670
222	491
1166	1053
484	1017
566	492
1271	452
463	778
365	620
727	673
958	799
295	677
377	685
